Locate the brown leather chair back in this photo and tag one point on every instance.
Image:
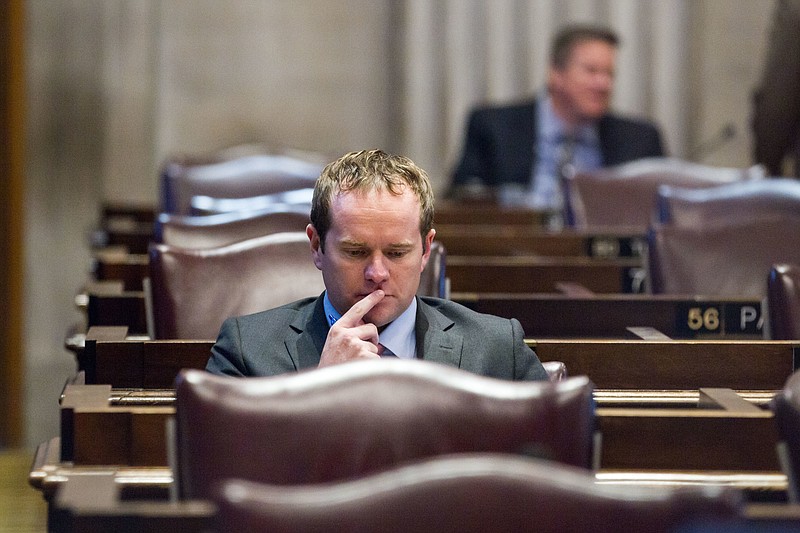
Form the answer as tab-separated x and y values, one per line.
786	407
240	177
194	291
783	301
348	420
211	231
294	199
472	493
624	196
728	204
731	260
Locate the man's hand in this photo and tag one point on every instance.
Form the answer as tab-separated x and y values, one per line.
350	337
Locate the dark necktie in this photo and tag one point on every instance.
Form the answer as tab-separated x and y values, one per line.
383	351
565	167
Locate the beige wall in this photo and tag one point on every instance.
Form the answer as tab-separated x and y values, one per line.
116	85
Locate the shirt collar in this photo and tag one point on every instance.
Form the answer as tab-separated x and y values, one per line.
399	336
553	129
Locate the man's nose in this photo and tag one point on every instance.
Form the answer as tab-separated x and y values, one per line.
604	80
376	270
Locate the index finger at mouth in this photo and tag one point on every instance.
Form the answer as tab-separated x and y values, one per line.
354	315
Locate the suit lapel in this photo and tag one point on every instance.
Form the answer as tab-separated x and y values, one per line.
307	333
306	336
433	331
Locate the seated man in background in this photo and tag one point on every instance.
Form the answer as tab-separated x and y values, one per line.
531	145
371	232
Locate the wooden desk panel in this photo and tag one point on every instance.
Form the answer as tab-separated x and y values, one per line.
608	315
611	364
461	213
505	240
117	264
530	274
657	365
97	430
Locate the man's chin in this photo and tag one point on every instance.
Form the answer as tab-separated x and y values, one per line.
379	318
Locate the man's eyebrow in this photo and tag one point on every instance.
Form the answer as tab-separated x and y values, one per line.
352	243
403	245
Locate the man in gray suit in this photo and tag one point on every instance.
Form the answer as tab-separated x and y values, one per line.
370	234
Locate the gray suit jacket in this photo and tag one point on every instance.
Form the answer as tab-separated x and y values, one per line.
291	337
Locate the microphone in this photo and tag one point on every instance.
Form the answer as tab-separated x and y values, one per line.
725	134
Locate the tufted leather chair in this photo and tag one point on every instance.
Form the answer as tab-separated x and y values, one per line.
783	301
728	261
723	241
786	407
471	493
624	196
348	420
727	204
193	291
238	177
210	231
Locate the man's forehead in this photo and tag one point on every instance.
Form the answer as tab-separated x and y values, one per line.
585	47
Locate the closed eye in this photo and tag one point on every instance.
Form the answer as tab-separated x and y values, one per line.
397	254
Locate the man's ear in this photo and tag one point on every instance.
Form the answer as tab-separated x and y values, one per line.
316	245
426	248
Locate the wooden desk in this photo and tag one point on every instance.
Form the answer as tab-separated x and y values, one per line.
505	240
128	226
108	358
675	364
95	502
109	304
117	264
611	364
609	315
532	274
461	213
714	437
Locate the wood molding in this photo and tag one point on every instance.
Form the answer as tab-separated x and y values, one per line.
12	161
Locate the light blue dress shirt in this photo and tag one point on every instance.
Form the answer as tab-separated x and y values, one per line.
546	191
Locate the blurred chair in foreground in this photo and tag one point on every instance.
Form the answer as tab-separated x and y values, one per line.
786	406
624	196
783	301
210	231
471	493
193	291
723	241
348	420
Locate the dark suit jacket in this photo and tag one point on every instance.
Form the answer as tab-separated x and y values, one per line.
500	144
776	103
291	337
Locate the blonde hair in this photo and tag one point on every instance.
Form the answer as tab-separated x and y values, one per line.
370	170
